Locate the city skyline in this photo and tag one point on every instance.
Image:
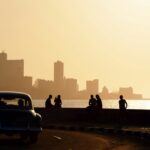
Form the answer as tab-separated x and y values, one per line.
13	78
103	39
75	65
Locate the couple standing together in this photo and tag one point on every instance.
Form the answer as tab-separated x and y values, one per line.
95	102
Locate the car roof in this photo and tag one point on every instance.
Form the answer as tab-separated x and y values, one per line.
13	94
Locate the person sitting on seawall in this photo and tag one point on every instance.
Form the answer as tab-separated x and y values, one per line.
98	102
122	103
92	102
48	103
58	102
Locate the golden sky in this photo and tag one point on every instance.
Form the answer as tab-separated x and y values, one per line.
104	39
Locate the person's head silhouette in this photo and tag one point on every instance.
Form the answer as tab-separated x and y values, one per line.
50	96
92	96
121	96
59	96
97	96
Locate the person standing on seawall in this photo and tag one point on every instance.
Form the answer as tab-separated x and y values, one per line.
123	113
122	103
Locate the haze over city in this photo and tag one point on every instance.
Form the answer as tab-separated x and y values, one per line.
107	40
73	71
13	79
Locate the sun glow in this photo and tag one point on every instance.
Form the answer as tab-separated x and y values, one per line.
103	39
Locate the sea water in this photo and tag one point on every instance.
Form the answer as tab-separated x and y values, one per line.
111	104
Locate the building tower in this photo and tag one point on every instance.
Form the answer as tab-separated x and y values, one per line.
92	87
58	77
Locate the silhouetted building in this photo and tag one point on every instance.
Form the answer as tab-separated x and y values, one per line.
12	74
59	77
92	87
105	93
71	88
83	94
12	78
127	92
27	83
43	87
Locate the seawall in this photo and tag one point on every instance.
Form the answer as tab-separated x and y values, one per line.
82	116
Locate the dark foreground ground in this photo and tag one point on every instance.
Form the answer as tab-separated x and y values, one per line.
71	140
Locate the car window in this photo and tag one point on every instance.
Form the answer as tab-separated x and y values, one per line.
17	103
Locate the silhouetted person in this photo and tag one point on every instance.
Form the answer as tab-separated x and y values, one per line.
20	103
123	113
92	102
122	103
98	102
58	102
48	103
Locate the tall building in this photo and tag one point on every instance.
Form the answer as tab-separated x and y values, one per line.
59	77
92	87
12	74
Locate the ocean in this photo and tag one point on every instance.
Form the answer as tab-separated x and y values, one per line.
111	104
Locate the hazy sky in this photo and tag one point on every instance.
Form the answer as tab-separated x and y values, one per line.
104	39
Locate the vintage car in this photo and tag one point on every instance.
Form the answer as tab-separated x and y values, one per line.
17	116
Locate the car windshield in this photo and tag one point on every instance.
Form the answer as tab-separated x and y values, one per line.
15	103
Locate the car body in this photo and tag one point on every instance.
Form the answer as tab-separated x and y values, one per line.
17	115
